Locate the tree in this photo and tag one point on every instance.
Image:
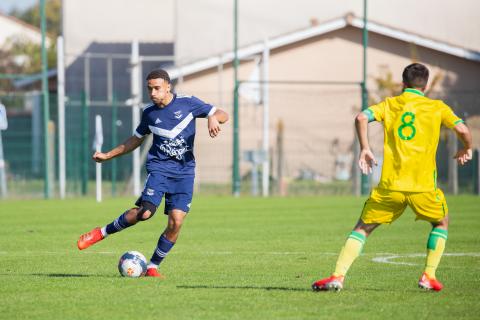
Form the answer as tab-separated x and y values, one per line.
52	13
24	57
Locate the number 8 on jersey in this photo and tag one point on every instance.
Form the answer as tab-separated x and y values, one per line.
407	126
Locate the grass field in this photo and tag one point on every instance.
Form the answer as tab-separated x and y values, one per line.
240	258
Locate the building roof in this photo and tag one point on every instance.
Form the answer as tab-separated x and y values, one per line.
317	30
12	26
20	22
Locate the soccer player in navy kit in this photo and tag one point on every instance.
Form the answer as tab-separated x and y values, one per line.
170	163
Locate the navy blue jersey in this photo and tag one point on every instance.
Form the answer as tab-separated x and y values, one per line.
173	128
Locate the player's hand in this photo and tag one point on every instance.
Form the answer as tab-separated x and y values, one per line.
463	156
99	157
213	126
366	161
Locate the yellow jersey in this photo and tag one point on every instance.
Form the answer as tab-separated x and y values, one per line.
411	124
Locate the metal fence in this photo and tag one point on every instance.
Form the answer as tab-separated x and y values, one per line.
312	149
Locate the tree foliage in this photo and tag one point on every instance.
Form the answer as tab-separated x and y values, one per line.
31	16
20	56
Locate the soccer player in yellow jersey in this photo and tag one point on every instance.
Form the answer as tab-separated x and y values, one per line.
411	127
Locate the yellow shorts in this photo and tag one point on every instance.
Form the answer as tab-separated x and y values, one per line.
385	206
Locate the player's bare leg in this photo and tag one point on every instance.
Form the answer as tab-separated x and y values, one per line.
127	219
166	242
350	251
435	247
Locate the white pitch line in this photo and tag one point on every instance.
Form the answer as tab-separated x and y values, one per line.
257	253
388	259
205	253
380	257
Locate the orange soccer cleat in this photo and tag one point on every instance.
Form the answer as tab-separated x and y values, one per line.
332	283
153	272
89	238
428	283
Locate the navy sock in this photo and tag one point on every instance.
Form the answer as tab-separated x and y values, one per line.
163	246
118	224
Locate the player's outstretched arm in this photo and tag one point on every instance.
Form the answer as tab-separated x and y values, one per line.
366	160
464	135
214	121
128	145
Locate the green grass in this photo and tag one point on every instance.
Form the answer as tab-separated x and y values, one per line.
240	258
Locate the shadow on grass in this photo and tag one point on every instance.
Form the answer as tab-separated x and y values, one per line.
359	290
245	288
70	275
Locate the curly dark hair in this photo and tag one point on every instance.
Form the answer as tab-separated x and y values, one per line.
158	74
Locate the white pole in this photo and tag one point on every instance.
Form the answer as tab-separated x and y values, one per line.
3	177
220	82
61	116
98	147
266	121
109	79
452	145
135	92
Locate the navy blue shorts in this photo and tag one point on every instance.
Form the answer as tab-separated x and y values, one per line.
178	191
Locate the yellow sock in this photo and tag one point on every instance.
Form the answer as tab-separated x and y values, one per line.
435	247
350	251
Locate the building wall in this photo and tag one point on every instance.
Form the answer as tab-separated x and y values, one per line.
90	21
318	119
206	27
203	28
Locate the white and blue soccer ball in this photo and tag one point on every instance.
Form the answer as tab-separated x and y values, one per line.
132	264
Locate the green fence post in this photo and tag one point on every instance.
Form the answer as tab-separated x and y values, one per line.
46	104
114	144
476	169
236	145
85	150
365	179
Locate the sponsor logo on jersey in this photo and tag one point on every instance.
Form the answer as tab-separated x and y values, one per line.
178	114
158	121
175	147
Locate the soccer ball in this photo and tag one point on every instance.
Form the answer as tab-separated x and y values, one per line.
132	264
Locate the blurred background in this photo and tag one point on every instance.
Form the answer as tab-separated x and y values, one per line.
291	74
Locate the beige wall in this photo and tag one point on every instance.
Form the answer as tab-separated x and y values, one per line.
87	21
315	116
206	27
203	28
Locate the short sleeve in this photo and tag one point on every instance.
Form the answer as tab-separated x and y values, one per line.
449	118
376	112
143	128
201	109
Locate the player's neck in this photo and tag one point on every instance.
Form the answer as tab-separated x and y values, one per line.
165	102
